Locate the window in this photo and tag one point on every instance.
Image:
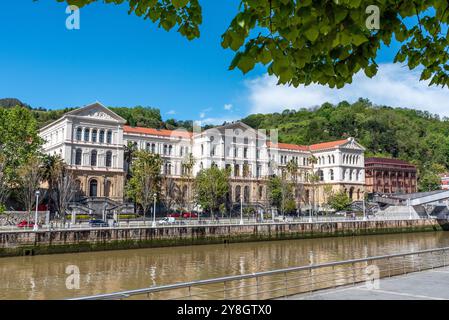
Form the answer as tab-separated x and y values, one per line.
259	171
86	134
109	137
236	170
101	140
245	153
202	150
108	159
245	140
260	192
78	157
181	151
170	150
79	133
331	174
320	175
94	135
93	158
93	188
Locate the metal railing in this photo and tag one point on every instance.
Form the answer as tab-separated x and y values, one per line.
283	283
209	222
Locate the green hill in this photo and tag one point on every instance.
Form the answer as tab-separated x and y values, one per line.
416	136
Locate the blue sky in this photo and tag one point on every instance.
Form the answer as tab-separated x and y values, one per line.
123	60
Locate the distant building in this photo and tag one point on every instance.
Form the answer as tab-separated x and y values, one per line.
444	181
384	175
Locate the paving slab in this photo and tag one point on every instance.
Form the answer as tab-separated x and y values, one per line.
424	285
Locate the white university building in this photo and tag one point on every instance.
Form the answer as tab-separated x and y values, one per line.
92	140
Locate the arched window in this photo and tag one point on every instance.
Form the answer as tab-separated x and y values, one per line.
94	135
79	133
238	191
246	194
245	140
93	185
78	157
86	134
109	137
333	159
93	158
101	140
170	149
108	159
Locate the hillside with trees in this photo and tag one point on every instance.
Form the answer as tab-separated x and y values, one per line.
416	136
412	135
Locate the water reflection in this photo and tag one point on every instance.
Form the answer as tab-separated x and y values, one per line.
43	277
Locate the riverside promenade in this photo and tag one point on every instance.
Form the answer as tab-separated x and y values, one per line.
425	285
46	241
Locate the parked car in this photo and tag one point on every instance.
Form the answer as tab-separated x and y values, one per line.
25	224
167	220
98	223
174	215
187	215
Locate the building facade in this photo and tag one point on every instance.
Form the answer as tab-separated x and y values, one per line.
92	139
385	175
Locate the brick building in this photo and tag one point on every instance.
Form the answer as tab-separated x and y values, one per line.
383	175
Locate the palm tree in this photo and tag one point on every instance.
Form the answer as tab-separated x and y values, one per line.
313	178
293	170
52	167
187	177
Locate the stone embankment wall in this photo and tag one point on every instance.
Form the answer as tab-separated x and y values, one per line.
15	243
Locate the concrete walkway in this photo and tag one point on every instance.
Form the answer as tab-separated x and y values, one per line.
425	285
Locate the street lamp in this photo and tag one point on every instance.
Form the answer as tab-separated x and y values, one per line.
154	210
35	227
241	209
364	210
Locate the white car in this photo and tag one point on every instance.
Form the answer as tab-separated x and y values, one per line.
167	220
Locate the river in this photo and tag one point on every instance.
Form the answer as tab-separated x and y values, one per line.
44	277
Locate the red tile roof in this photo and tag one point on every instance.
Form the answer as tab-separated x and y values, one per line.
289	146
376	160
157	132
327	145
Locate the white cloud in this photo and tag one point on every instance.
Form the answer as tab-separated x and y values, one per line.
202	115
394	85
171	112
228	106
218	120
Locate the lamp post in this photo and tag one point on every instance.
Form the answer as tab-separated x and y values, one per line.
154	210
364	210
241	209
36	227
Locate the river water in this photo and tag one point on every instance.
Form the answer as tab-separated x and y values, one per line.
44	277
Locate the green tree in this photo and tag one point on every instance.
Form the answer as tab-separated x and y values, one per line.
430	177
280	194
19	139
339	201
321	41
30	176
211	187
145	179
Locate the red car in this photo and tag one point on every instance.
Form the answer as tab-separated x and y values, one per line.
188	215
174	215
25	224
